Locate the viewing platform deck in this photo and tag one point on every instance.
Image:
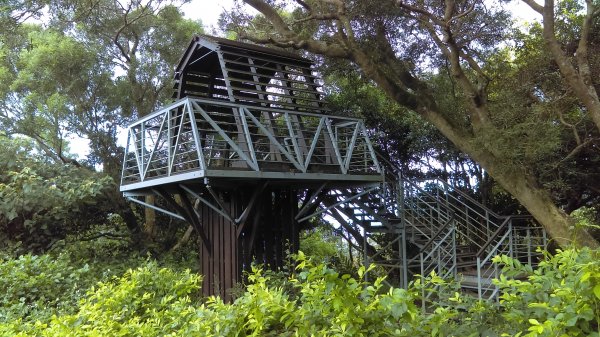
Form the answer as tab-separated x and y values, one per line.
208	140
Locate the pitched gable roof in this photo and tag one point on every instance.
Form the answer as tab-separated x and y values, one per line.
218	68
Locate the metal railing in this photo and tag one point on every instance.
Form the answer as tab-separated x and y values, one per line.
423	214
201	135
526	239
427	204
439	256
475	223
517	238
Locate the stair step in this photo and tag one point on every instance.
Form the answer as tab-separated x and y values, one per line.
382	229
466	264
463	256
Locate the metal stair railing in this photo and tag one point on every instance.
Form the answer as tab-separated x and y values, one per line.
526	239
475	223
432	212
423	219
423	207
488	232
511	239
501	245
438	255
468	212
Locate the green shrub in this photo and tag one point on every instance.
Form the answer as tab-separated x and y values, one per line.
559	298
43	201
36	287
147	301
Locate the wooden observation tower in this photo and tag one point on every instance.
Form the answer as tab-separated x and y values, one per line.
245	154
248	153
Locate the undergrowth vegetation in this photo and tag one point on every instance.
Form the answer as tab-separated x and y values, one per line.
49	295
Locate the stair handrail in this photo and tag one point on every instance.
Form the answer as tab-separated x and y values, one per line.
438	245
472	202
436	235
388	162
471	207
468	197
446	216
482	262
491	218
450	264
397	170
507	219
494	235
480	235
412	183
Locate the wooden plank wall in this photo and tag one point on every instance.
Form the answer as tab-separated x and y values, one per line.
269	232
219	261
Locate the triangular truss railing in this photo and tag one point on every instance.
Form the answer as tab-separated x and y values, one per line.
194	136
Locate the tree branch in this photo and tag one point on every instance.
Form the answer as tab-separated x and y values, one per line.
571	126
274	18
421	11
582	48
534	5
577	149
288	38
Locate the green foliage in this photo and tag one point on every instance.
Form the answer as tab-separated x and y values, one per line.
146	301
40	286
559	298
586	217
41	201
86	72
324	244
399	133
320	246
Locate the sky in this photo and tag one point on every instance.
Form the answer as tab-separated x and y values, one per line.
206	10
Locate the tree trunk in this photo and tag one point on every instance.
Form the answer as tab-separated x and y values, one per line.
150	218
184	239
557	223
520	184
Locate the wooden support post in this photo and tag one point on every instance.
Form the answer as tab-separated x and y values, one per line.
266	234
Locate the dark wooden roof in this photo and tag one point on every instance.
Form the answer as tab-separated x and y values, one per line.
250	47
217	68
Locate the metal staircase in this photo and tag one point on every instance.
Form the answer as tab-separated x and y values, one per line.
410	228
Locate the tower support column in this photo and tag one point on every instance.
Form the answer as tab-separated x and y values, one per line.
265	233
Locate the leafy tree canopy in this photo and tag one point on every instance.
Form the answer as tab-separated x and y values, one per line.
457	66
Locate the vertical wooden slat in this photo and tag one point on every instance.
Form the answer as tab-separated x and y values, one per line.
220	261
272	225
